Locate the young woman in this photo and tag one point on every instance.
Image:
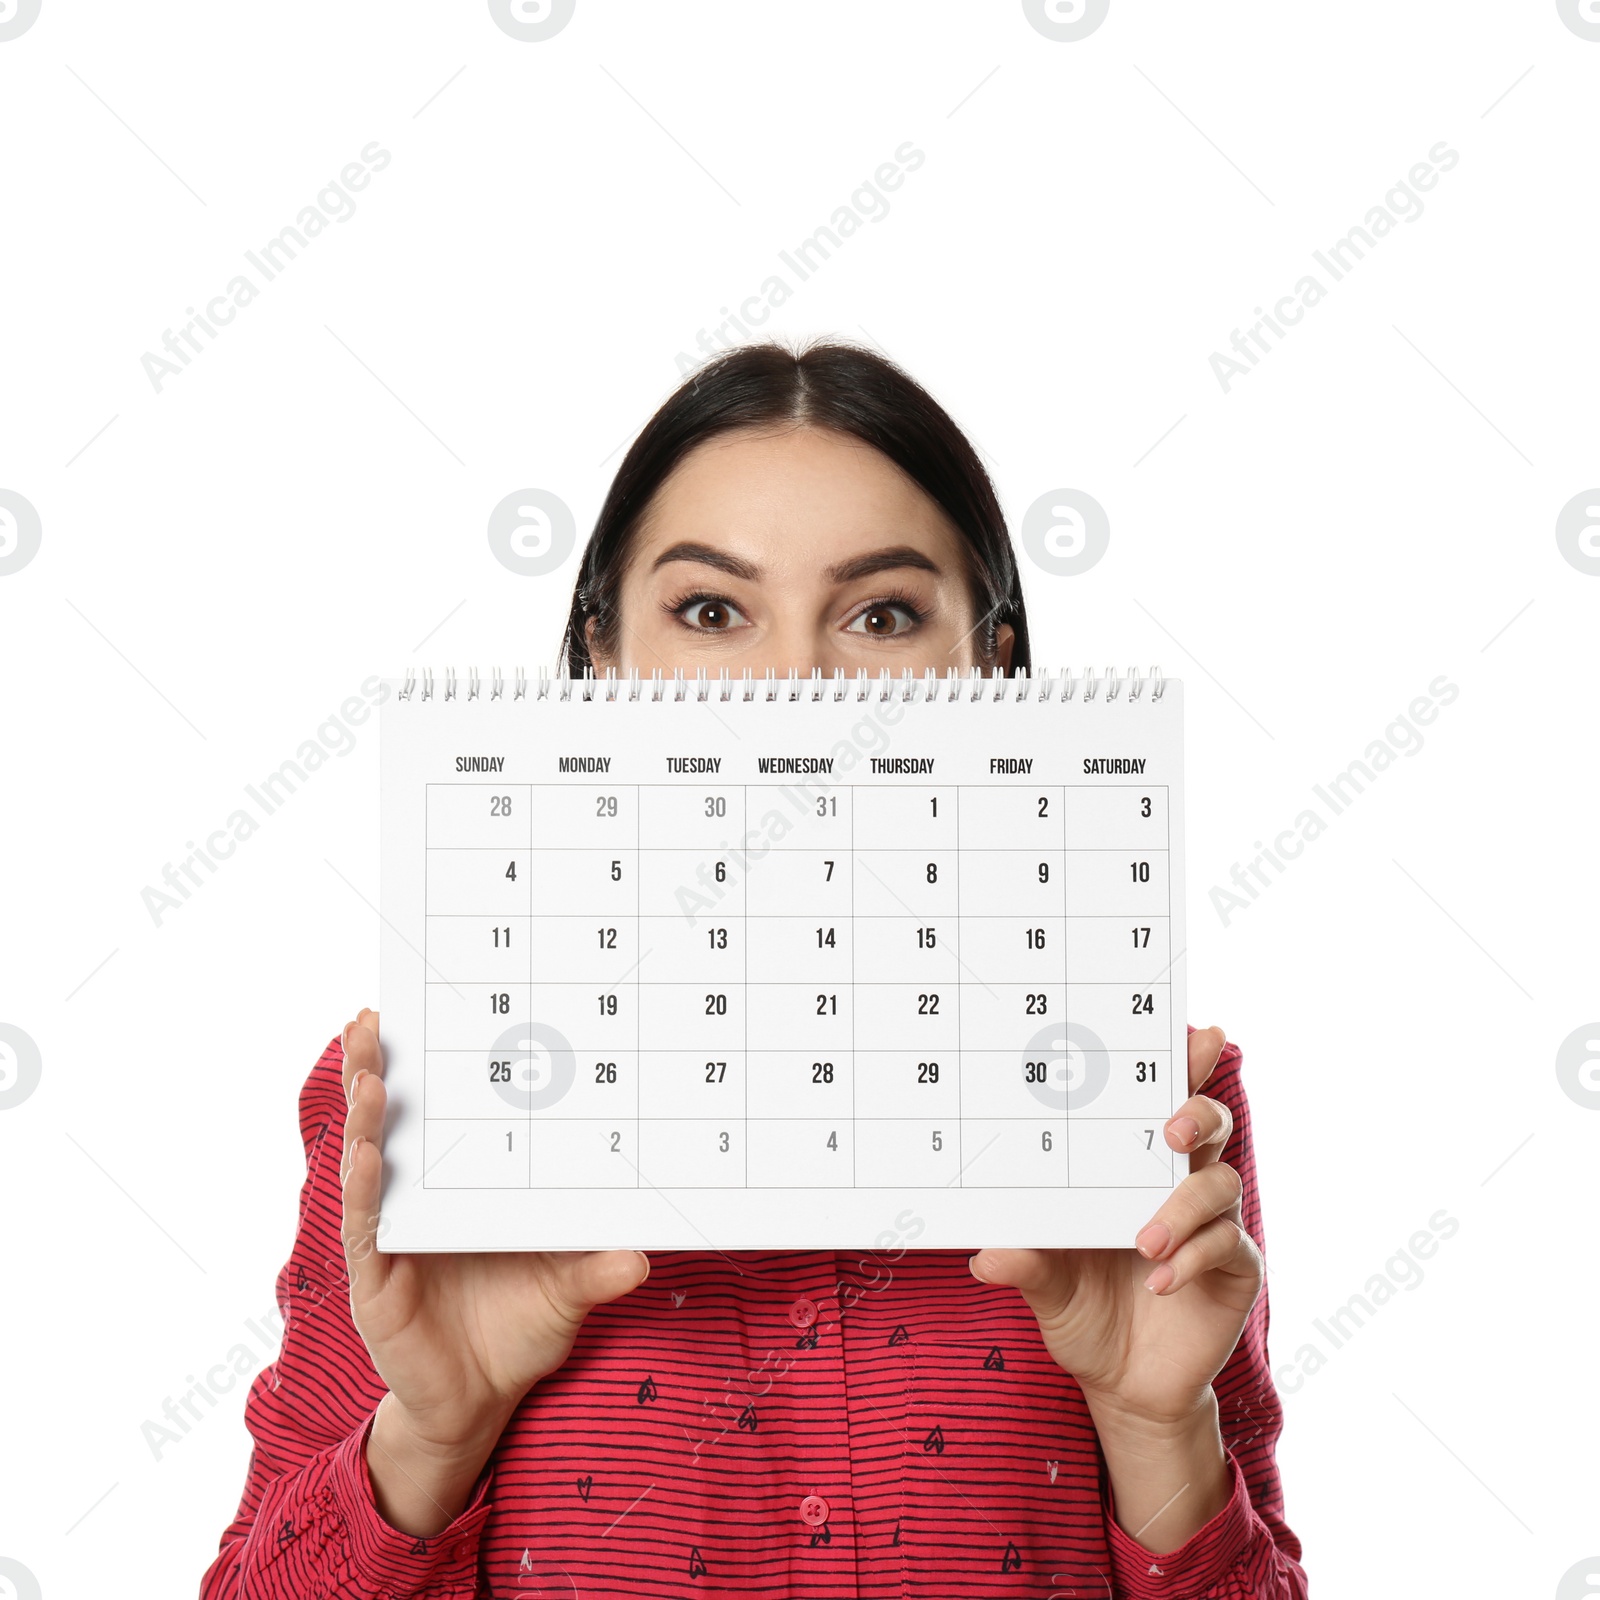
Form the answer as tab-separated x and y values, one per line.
815	1423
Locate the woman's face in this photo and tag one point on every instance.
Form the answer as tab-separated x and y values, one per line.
792	550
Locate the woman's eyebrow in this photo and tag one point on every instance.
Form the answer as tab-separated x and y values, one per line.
862	566
885	560
707	555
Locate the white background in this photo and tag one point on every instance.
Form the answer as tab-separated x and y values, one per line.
224	562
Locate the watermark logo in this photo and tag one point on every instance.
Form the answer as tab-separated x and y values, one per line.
1578	530
1066	1067
181	1415
1066	532
204	858
532	1066
1581	1582
1066	21
335	202
1403	1270
16	17
1403	737
1582	16
532	532
1403	203
1578	1066
16	1582
20	529
531	21
21	1066
869	202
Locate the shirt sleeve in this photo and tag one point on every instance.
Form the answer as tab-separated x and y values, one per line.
308	1527
1247	1551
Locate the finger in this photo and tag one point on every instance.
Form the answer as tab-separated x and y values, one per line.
590	1278
1211	1192
361	1051
1044	1278
1205	1050
361	1175
1220	1246
1202	1127
368	1100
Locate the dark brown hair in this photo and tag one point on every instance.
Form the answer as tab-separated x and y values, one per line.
827	384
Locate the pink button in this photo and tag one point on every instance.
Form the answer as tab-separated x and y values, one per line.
814	1510
803	1313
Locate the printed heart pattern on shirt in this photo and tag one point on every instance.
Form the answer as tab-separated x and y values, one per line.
934	1443
1055	1467
995	1361
585	1484
697	1563
647	1391
1011	1558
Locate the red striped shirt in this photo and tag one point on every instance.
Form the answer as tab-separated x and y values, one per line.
801	1423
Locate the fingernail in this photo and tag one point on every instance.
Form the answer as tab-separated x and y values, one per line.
355	1083
344	1039
350	1154
1160	1279
1153	1239
1186	1129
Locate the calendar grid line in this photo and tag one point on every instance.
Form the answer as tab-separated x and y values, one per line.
533	977
1066	1002
427	923
802	983
638	1010
961	1076
960	1053
744	1066
784	849
788	916
1172	1082
885	1116
722	1189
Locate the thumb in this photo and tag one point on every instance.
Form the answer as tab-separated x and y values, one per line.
1043	1277
592	1278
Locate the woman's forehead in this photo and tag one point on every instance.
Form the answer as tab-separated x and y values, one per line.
762	491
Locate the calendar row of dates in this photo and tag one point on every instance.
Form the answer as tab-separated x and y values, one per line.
540	1078
690	884
970	949
814	1153
800	815
774	1016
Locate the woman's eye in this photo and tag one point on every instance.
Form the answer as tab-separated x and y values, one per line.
711	616
884	621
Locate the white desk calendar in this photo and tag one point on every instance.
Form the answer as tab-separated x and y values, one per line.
691	963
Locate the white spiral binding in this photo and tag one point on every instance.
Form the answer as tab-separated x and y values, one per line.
909	687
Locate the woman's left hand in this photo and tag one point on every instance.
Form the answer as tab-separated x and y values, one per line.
1145	1330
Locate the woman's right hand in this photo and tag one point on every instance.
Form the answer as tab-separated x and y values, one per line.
458	1339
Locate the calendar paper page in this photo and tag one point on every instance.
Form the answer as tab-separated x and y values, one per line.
780	974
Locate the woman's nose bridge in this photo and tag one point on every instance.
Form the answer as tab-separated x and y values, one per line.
796	639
